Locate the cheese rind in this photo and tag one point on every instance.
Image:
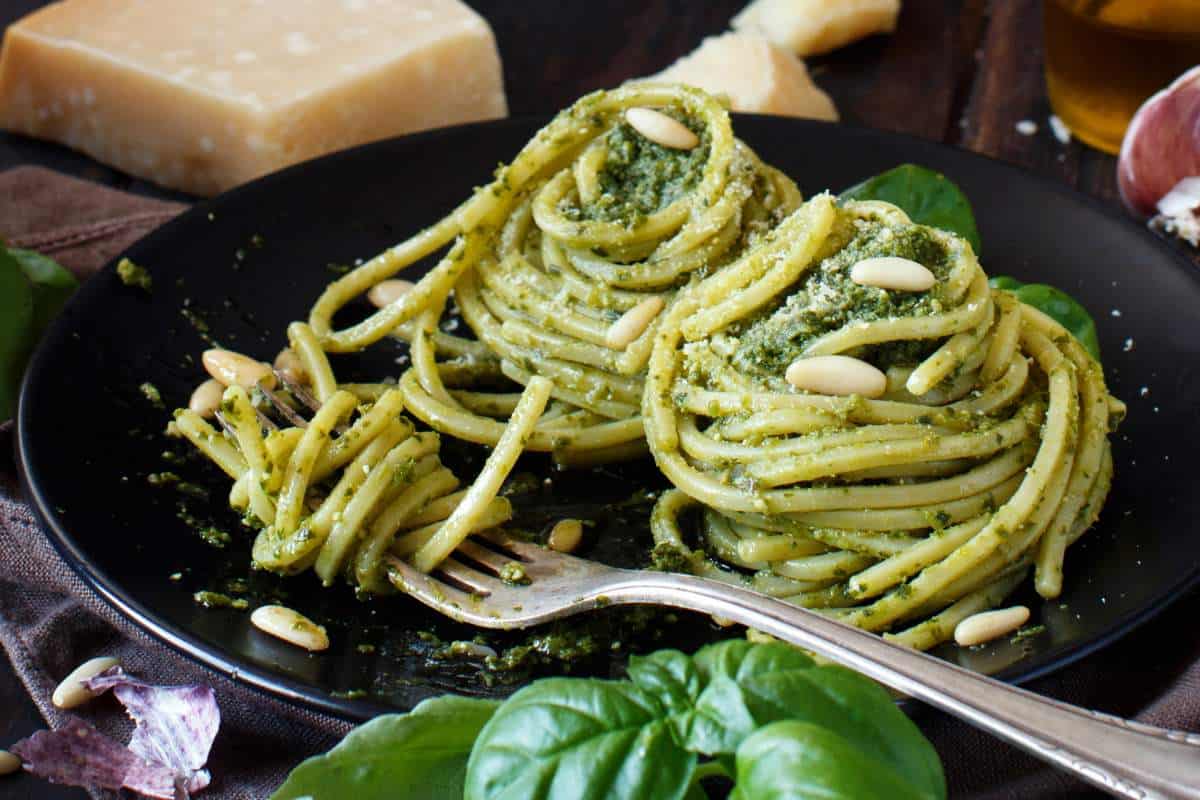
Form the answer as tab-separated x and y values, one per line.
756	76
205	96
811	27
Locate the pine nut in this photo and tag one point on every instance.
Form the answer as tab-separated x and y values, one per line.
633	323
836	375
291	626
71	692
9	762
207	398
892	272
385	293
988	625
232	368
291	366
565	535
661	129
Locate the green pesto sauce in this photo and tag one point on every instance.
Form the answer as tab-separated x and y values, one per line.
219	600
513	573
641	177
152	394
133	275
666	557
825	299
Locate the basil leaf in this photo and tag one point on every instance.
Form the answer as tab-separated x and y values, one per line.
579	739
1058	305
928	197
421	755
16	330
52	286
669	675
798	760
748	686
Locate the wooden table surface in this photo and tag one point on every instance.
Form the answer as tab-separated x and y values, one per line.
963	72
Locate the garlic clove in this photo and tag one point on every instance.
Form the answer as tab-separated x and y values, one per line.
1162	144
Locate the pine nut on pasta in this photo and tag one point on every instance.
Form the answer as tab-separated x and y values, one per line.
206	398
288	363
633	323
661	129
836	375
387	292
893	272
235	369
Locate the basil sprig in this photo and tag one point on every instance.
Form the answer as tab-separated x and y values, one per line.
764	715
33	289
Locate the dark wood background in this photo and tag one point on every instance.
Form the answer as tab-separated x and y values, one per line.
963	72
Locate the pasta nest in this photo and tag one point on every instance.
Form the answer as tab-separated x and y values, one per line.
986	455
587	224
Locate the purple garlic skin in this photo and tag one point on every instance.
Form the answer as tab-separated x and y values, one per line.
1162	145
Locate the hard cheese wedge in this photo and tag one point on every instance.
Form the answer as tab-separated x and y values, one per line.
756	75
202	96
810	27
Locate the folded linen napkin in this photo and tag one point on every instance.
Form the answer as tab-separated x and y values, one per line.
50	621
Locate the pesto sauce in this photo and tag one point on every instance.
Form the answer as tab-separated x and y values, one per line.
152	394
641	177
133	275
825	299
219	600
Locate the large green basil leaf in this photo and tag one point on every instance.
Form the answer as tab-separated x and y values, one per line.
418	756
52	286
928	198
16	330
793	760
747	686
579	739
1058	305
669	675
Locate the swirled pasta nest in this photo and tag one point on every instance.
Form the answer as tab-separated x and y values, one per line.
986	455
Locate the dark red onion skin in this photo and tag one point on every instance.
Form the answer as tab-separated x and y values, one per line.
1162	145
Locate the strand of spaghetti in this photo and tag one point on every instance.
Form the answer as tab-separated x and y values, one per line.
313	439
486	486
368	498
316	366
368	562
495	512
940	626
239	414
205	438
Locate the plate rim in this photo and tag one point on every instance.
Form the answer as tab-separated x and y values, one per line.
283	687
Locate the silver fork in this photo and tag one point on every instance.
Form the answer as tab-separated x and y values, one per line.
1122	757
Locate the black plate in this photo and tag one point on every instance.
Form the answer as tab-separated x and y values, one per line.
252	260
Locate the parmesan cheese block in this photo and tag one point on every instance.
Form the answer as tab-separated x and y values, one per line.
754	74
810	27
202	95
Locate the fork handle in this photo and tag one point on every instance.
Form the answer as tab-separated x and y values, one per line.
1122	757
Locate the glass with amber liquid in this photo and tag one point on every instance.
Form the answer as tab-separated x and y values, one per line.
1105	57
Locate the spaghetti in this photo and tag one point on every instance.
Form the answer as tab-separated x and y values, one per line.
590	223
986	455
626	293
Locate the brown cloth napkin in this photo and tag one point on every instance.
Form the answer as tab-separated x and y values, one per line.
50	621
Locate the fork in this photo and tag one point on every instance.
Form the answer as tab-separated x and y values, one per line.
1120	756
